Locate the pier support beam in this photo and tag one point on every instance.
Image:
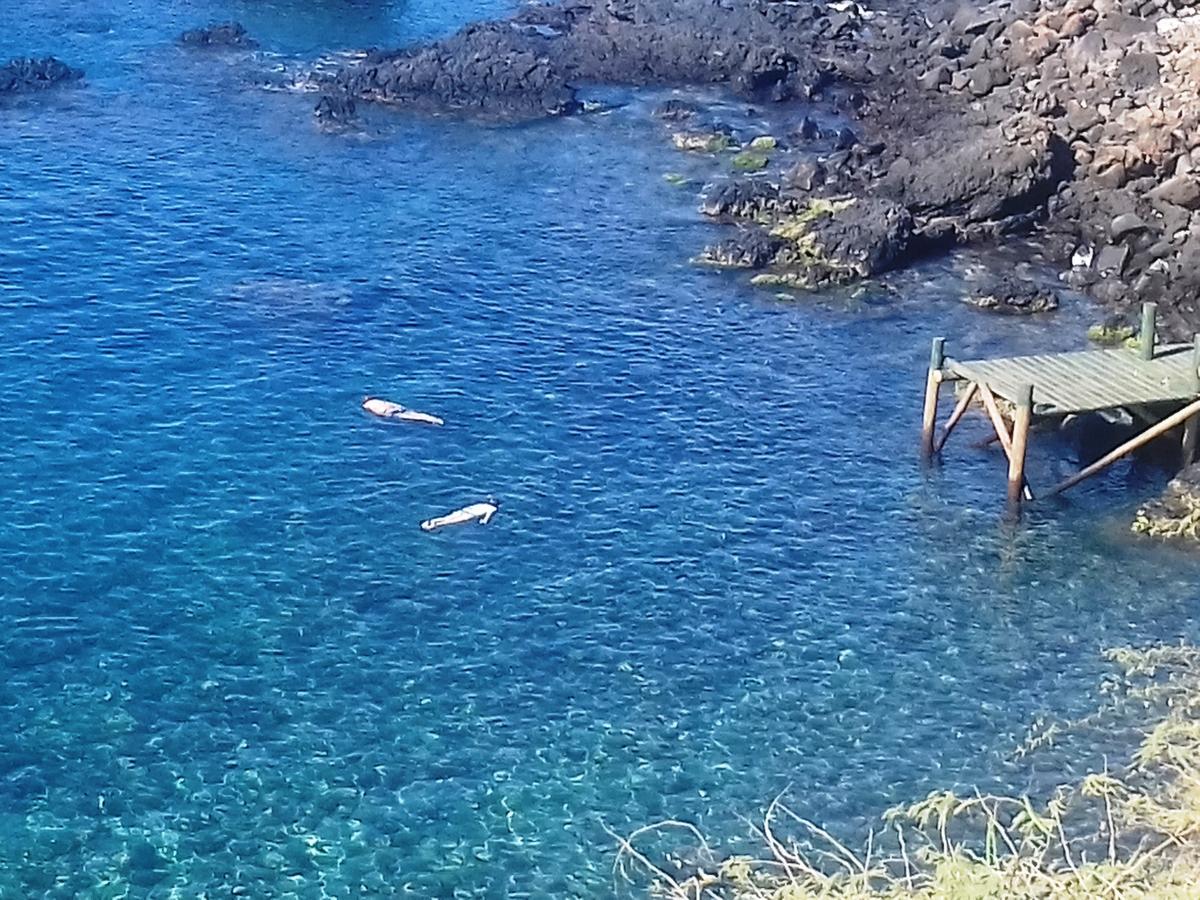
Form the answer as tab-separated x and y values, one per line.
933	383
1172	421
960	409
1020	442
1191	427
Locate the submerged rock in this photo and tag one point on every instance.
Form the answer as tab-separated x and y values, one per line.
676	110
1112	332
226	34
335	111
1176	513
29	74
708	140
1012	296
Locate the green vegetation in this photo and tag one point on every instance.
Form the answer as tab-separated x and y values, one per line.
750	161
764	143
1112	335
796	227
1132	834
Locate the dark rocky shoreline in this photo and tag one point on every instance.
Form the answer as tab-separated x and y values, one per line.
1075	122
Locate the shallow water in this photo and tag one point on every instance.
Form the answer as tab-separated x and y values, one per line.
231	659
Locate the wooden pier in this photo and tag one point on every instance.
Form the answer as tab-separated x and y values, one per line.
1159	386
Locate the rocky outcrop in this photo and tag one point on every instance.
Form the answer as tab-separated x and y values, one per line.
750	198
227	34
28	74
751	248
529	65
1012	296
996	181
840	241
814	243
335	112
955	122
1117	85
1175	514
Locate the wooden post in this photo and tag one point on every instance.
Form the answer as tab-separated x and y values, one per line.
1188	449
1020	441
933	383
1002	435
1191	427
960	410
1128	447
1146	337
1196	363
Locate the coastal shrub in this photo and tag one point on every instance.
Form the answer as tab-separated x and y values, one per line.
1133	833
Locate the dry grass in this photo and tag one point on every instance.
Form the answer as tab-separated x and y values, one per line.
1128	834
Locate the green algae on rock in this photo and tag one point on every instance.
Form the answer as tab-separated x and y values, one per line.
764	142
837	240
749	161
1112	332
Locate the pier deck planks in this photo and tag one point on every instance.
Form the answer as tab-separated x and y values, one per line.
1087	380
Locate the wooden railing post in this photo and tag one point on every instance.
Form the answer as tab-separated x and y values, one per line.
1149	325
933	383
1020	441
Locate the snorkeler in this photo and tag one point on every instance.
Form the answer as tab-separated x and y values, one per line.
476	512
386	409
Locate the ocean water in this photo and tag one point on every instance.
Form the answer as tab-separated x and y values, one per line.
231	662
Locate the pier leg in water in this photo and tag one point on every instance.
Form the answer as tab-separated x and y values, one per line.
989	401
933	383
1191	428
1188	456
1020	442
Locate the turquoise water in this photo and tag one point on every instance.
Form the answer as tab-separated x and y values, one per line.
231	660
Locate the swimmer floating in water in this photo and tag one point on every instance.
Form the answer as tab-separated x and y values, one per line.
476	512
386	409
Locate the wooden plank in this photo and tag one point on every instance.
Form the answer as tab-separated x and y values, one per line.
1088	380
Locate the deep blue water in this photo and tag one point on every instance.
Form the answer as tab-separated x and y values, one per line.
230	658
